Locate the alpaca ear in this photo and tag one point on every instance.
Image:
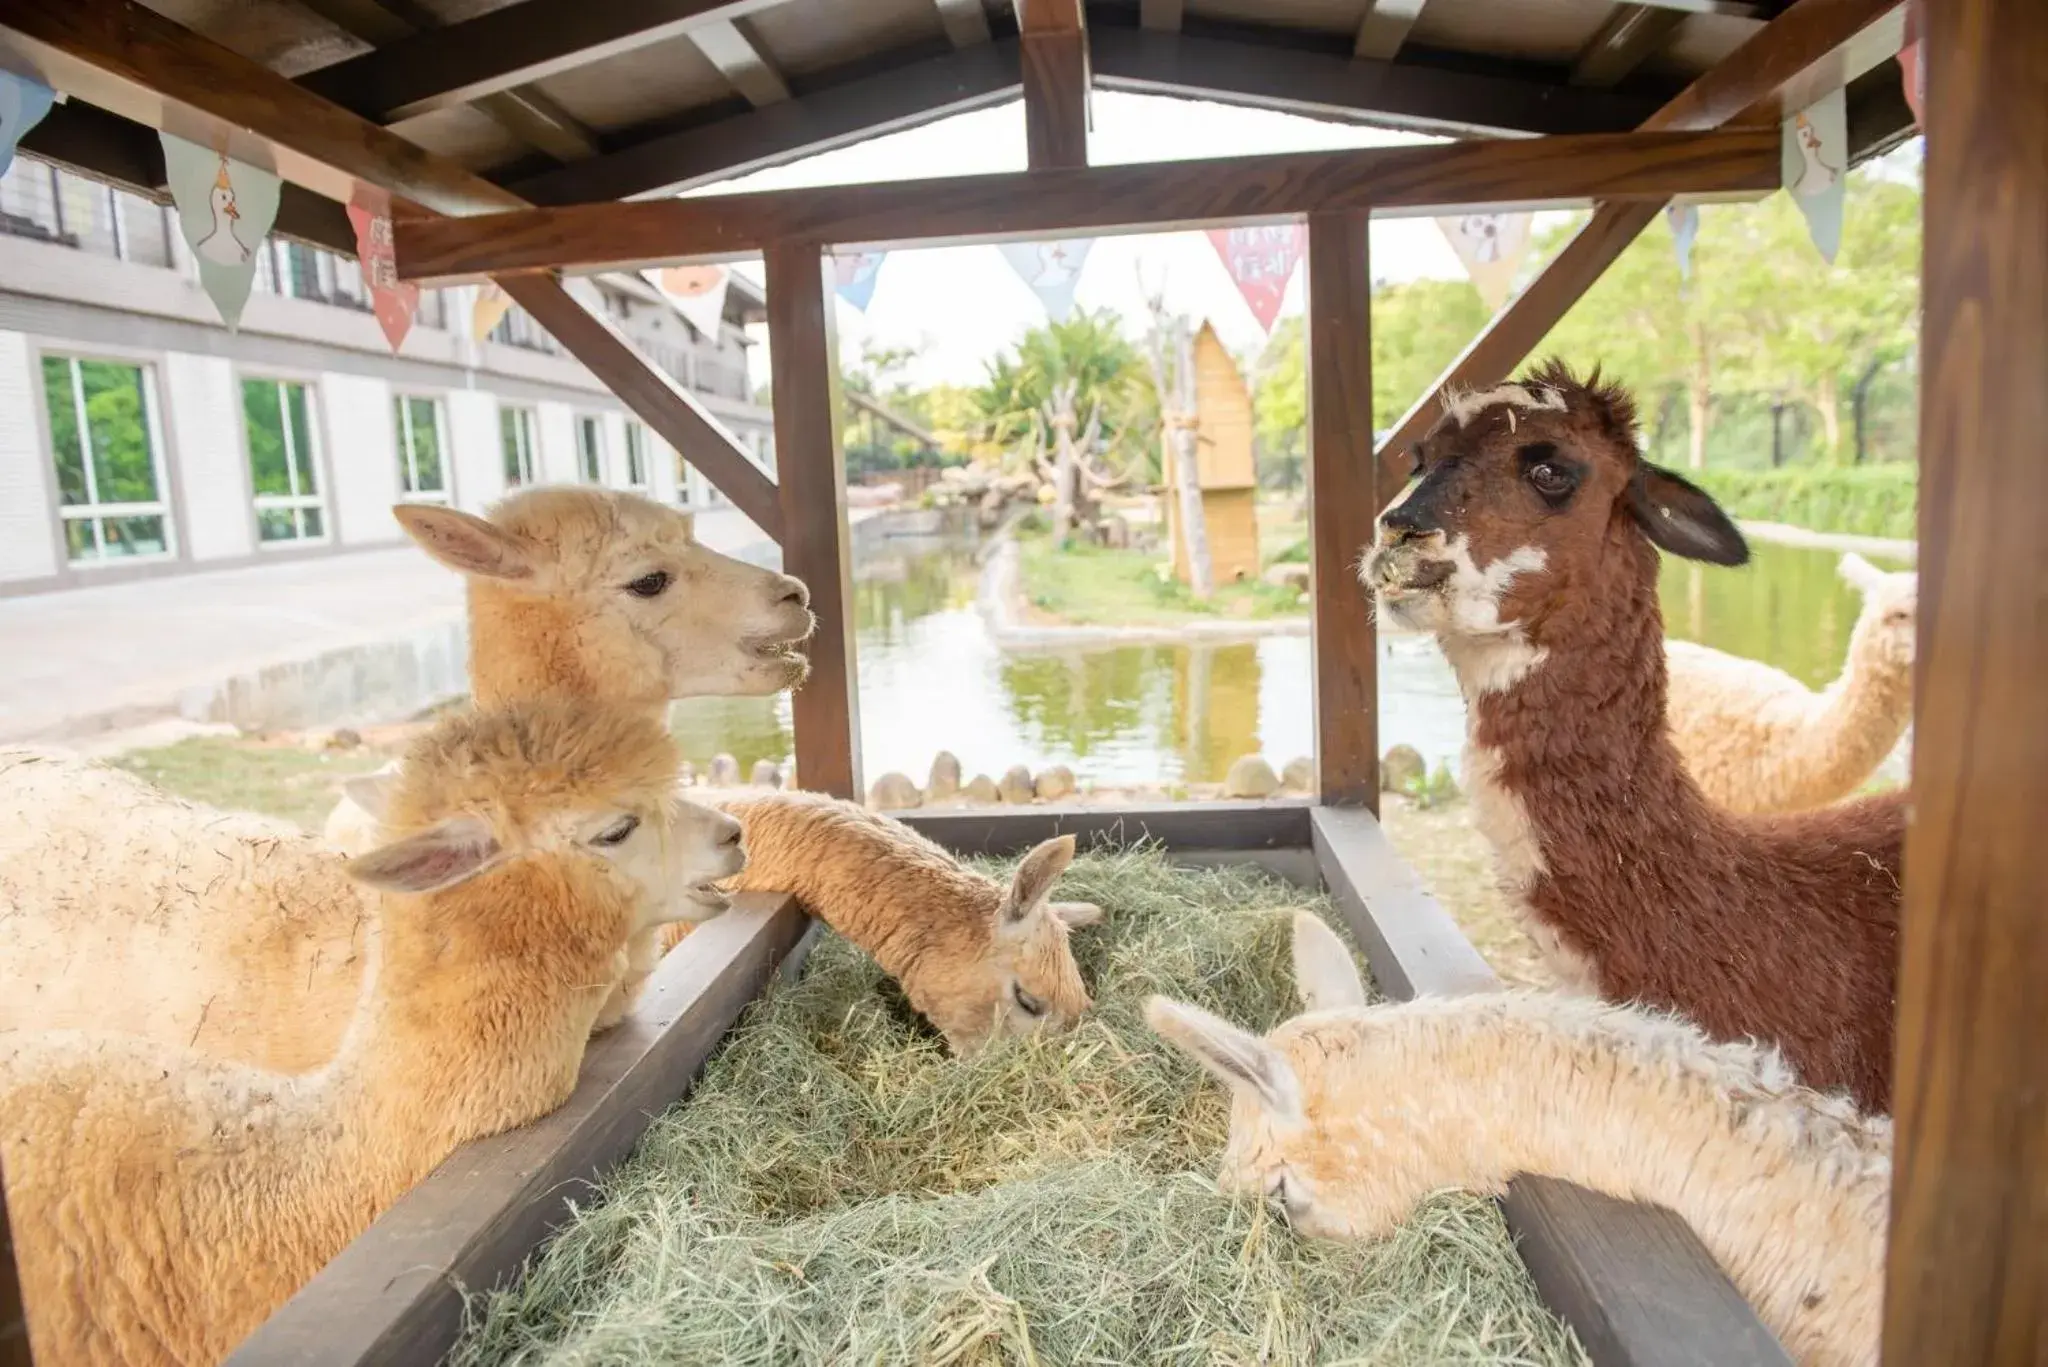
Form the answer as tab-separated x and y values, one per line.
1324	973
1076	914
1239	1059
372	792
687	520
1681	518
466	543
1035	876
456	850
1859	573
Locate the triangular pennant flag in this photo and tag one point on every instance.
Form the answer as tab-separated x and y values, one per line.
225	209
1051	269
392	300
1913	65
492	304
24	101
1815	147
1260	261
1491	246
854	277
698	292
1685	226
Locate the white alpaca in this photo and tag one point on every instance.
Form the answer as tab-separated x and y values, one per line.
1348	1116
1758	740
164	1203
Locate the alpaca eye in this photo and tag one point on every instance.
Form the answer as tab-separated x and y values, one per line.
650	585
1028	1004
618	832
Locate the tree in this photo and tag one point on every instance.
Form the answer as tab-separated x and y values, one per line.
1170	347
1089	350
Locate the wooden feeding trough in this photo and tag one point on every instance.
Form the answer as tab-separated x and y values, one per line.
1226	470
502	166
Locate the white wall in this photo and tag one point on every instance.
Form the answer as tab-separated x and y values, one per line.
662	477
202	398
556	463
476	449
28	540
362	453
615	472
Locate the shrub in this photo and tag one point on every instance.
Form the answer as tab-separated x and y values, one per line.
1867	500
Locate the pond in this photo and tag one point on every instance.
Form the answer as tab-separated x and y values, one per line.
931	679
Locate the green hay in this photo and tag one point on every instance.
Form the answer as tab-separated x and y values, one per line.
838	1190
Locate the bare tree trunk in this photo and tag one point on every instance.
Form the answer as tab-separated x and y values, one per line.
1701	397
1194	522
1827	401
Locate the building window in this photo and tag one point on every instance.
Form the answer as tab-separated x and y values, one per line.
109	471
589	450
636	456
515	434
277	416
422	473
684	494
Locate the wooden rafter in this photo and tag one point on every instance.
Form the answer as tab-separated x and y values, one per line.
1385	28
1630	35
740	62
1814	45
1053	39
965	22
1152	197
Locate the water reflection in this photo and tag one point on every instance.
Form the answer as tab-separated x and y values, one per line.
930	678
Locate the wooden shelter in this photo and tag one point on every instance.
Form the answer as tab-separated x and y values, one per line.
510	137
1225	469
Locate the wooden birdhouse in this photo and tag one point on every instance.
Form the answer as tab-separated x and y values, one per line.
1228	472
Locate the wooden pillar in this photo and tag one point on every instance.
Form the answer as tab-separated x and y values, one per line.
13	1320
1968	1272
1054	56
1342	503
811	483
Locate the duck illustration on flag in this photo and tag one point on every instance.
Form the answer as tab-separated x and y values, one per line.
1051	269
225	209
1813	153
220	243
1816	173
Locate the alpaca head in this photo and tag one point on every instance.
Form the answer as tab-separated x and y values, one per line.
1891	610
516	806
1521	497
598	594
1026	979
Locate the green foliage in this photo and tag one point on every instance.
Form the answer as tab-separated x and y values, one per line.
287	781
1438	789
1091	585
1870	500
1293	553
1089	349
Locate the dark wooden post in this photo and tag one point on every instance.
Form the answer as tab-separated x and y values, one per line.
1054	57
1342	503
811	479
1968	1276
13	1319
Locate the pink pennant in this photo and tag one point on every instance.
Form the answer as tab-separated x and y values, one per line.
1913	64
1261	260
392	300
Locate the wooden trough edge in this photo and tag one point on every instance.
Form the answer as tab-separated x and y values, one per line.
1633	1281
394	1295
1273	824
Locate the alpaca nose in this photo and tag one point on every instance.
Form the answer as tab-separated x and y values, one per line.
1400	524
793	593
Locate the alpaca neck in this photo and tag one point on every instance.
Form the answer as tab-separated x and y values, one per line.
1864	712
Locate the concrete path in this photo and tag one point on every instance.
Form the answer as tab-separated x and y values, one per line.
344	631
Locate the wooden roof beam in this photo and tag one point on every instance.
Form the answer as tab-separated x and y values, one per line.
1147	197
1331	86
1814	46
507	47
868	106
1385	28
1053	37
740	62
1631	34
965	22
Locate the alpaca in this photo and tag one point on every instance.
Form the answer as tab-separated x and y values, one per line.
1757	740
234	935
1528	546
976	959
164	1203
1349	1116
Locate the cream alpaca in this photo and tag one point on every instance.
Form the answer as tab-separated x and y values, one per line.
231	934
1758	740
163	1203
976	959
1349	1116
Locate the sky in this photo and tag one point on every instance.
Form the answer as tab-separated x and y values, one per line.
960	306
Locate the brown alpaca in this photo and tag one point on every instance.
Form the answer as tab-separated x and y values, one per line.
1528	546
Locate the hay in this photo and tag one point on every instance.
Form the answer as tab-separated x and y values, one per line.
838	1190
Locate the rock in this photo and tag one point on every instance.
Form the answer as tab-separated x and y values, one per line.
344	738
1055	783
724	772
945	777
894	792
766	775
981	789
1287	575
1299	776
1402	769
1015	786
1251	776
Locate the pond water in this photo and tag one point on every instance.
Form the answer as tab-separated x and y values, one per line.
931	679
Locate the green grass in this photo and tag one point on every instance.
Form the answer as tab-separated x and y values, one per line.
1867	500
836	1189
243	775
1093	586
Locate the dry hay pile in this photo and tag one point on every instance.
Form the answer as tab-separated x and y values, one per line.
838	1190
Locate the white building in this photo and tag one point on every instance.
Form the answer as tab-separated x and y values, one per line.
138	436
